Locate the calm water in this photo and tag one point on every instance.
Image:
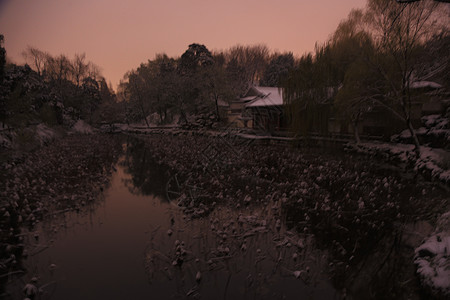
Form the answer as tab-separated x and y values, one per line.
122	249
135	244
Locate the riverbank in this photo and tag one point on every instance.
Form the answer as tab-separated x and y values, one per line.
357	210
67	174
433	163
354	206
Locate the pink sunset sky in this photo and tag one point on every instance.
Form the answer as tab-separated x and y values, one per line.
118	35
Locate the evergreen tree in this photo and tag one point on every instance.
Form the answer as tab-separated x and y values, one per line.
2	58
2	87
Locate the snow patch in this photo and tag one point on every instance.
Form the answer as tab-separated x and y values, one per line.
445	176
432	258
44	134
425	84
436	121
407	134
81	127
432	161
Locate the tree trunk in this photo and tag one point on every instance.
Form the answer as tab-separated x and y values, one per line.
414	137
146	122
144	115
160	113
183	116
217	108
356	131
183	113
406	106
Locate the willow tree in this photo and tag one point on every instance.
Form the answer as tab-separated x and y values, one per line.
351	46
356	97
306	92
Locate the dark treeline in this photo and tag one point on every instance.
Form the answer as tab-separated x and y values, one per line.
372	60
195	82
54	90
51	89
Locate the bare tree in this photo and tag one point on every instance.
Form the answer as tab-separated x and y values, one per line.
79	68
350	45
399	31
58	68
36	58
93	71
253	59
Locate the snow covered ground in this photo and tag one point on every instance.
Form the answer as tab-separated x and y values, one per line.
44	134
82	127
432	162
432	258
27	138
435	132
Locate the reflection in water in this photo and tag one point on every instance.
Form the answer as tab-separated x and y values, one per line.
147	176
379	264
134	246
98	252
386	270
43	185
237	254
